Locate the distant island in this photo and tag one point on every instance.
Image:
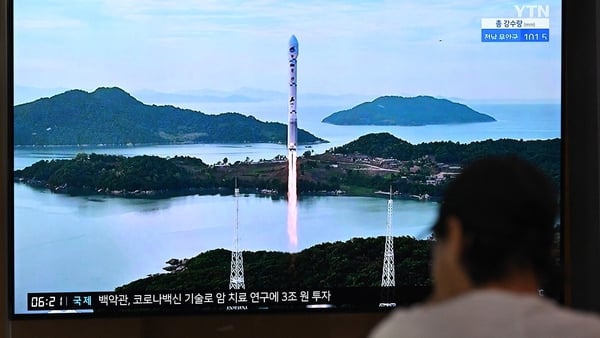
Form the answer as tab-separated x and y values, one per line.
111	116
365	167
407	111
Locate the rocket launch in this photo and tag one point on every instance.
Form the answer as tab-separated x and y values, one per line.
292	118
292	144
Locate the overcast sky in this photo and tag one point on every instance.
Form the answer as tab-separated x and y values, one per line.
346	47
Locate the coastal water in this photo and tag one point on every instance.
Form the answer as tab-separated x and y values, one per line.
524	121
65	243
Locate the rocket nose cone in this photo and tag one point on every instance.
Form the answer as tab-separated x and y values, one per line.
294	43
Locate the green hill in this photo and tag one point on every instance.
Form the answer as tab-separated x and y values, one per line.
353	263
407	111
543	153
357	168
111	116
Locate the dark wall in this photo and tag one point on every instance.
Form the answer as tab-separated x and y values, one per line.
4	80
581	127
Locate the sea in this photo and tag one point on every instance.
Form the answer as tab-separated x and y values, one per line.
96	243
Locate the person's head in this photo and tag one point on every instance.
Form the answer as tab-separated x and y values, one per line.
495	221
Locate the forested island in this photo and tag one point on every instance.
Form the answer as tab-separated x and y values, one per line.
366	167
110	116
363	167
407	111
353	263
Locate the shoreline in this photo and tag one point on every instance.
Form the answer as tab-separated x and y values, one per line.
166	194
134	145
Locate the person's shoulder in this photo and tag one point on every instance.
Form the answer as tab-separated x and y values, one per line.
401	323
421	320
541	317
432	319
565	322
489	313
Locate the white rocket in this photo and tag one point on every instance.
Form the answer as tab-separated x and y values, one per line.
292	119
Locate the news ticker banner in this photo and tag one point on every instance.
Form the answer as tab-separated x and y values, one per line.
515	30
210	300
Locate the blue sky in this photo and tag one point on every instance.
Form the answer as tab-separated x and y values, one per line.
346	47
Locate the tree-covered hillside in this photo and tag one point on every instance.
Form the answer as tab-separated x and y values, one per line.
369	164
543	153
113	117
354	263
407	111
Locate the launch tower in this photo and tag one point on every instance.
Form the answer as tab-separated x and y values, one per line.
388	281
236	278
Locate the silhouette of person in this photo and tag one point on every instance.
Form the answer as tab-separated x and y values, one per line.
493	242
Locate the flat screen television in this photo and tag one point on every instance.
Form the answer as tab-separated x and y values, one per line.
157	169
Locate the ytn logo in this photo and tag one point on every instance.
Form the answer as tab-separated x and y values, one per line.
543	11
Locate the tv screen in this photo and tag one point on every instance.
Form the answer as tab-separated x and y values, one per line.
227	157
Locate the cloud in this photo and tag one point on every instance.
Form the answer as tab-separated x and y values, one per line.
345	46
48	24
328	19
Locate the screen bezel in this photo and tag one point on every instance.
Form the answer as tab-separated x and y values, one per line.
575	60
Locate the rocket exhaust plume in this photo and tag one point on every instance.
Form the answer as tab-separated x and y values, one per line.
292	143
292	201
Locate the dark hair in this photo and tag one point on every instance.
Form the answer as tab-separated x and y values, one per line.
508	209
